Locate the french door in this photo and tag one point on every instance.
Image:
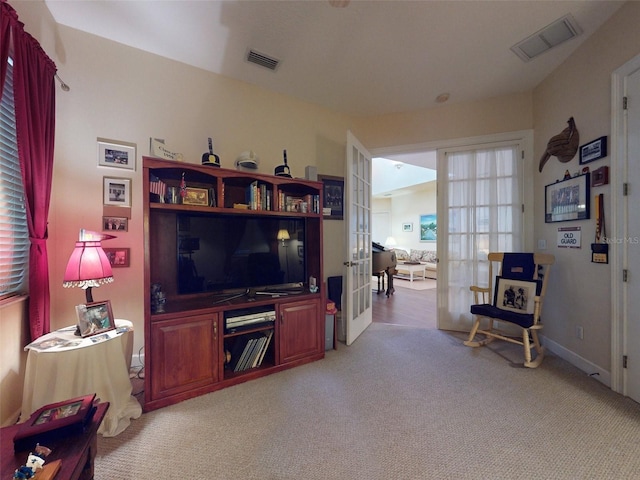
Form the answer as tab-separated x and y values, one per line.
358	223
480	210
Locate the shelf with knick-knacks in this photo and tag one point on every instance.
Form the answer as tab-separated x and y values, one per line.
177	185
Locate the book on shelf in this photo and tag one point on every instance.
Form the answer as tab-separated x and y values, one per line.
237	351
257	196
256	353
267	337
249	350
245	362
248	342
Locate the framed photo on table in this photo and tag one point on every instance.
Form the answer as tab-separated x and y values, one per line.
54	421
95	318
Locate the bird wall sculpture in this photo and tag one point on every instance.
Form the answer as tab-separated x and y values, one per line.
564	145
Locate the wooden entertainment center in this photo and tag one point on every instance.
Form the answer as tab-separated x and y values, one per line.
189	349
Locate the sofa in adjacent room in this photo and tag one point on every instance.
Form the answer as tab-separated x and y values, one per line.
425	257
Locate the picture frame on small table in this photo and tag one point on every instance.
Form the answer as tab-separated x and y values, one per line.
95	318
54	421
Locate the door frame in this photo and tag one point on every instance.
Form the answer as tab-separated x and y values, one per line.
618	176
525	137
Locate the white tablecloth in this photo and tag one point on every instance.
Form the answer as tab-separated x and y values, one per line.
61	366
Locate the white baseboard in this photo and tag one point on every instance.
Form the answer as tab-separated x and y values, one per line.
577	361
137	361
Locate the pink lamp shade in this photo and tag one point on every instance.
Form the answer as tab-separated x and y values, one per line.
88	267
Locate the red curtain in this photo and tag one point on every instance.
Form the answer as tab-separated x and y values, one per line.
34	92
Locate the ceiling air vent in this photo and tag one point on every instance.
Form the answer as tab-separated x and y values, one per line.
262	60
550	36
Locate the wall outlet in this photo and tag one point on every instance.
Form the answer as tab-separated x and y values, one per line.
580	332
542	244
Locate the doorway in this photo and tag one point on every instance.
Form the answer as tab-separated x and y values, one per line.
446	319
623	244
404	192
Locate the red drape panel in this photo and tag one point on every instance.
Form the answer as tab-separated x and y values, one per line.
8	17
34	91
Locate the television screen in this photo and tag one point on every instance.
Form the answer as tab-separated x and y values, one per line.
229	252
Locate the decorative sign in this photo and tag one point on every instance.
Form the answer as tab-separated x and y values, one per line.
569	237
158	149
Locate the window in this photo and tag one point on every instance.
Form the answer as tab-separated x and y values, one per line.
14	236
481	197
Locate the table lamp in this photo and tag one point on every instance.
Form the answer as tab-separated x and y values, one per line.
88	264
283	234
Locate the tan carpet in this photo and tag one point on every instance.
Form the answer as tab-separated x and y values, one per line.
400	403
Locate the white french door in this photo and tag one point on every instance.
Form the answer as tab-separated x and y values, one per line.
358	223
624	240
480	210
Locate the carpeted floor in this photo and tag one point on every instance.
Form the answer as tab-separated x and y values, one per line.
400	403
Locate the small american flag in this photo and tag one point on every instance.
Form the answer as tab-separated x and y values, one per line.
157	186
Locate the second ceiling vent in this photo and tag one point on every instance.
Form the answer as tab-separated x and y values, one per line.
550	36
263	60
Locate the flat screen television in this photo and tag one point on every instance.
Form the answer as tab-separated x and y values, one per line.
227	252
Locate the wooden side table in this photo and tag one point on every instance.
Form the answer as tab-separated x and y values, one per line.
77	452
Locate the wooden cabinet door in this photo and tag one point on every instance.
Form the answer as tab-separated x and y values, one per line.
299	330
184	354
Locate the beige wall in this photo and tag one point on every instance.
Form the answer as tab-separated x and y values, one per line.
407	209
124	94
14	334
509	113
580	291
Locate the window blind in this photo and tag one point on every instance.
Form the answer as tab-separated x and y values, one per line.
14	235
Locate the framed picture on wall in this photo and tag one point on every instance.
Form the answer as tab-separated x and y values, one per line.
115	223
117	191
116	154
594	150
118	257
407	227
332	197
428	228
567	199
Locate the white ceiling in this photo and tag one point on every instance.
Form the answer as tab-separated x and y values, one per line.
372	57
402	174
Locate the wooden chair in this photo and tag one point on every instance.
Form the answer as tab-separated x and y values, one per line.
519	292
